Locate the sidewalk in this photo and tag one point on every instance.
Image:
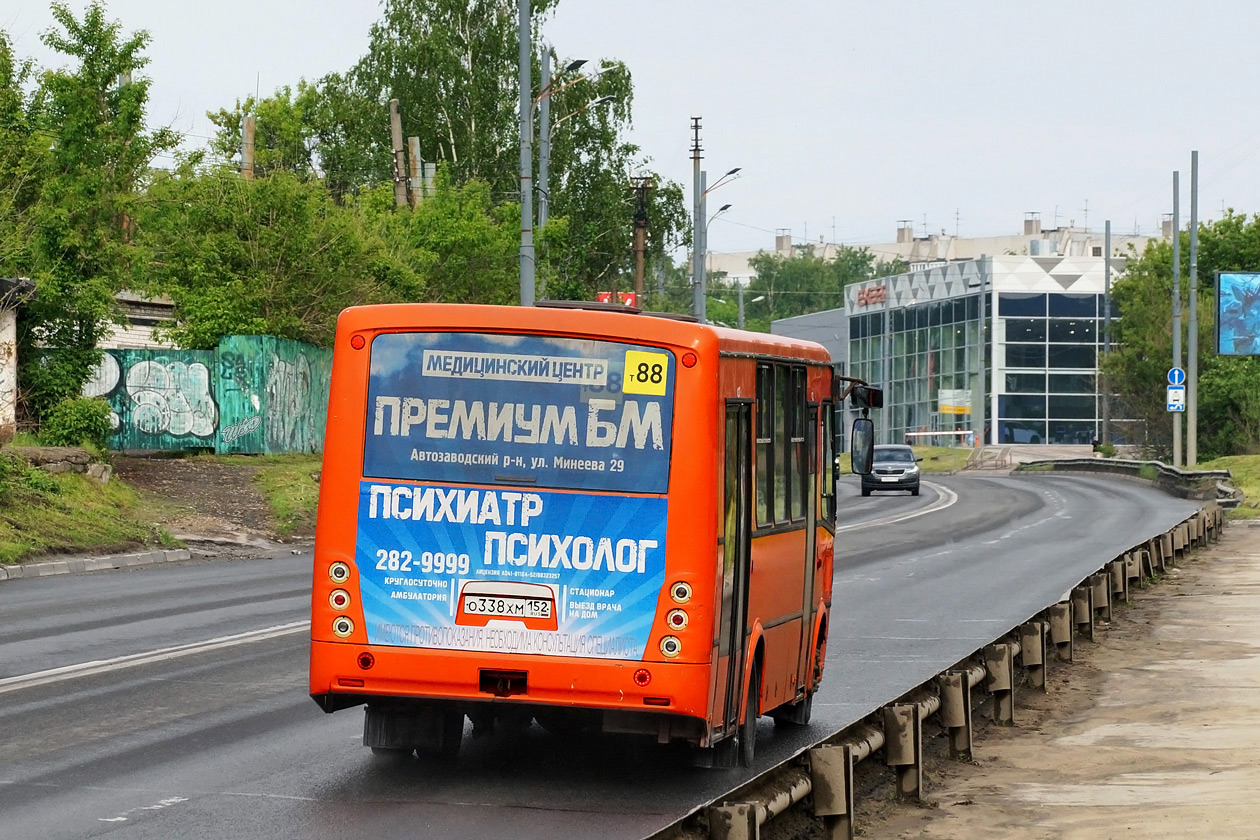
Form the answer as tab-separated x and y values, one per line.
1153	732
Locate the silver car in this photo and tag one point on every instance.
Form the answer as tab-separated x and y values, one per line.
895	468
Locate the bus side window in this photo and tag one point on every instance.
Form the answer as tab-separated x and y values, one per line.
765	463
828	463
798	417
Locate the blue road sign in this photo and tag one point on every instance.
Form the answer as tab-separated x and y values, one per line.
1176	396
1176	376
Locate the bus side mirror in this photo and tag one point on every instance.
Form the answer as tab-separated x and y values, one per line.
862	442
866	396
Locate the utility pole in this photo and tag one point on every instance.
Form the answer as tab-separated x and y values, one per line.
414	168
1176	308
400	164
702	250
1106	386
641	186
247	149
527	157
1192	351
697	225
544	140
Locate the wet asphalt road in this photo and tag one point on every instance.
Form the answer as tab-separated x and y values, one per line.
190	742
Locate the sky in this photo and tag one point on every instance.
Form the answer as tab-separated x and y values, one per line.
844	117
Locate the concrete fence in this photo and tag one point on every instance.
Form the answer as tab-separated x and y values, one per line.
1185	484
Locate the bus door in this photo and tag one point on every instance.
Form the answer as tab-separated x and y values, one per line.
736	556
811	546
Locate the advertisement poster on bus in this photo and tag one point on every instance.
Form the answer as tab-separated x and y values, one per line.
539	410
510	570
1238	314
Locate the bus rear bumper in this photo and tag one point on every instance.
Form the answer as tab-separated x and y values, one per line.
602	690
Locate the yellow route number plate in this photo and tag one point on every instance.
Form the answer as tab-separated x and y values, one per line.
646	372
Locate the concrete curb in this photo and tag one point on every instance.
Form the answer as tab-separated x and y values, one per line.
75	565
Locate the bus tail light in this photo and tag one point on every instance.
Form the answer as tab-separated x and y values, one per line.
690	359
670	646
339	599
339	572
366	660
343	626
680	592
642	677
677	619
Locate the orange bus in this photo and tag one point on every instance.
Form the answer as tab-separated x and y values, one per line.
574	513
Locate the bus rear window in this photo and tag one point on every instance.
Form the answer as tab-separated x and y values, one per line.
519	409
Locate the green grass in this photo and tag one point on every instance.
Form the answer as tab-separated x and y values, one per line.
42	513
285	481
1246	472
941	459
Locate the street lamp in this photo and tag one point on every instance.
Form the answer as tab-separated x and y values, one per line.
546	127
527	153
702	236
741	304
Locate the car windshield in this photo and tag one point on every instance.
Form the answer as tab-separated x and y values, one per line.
899	454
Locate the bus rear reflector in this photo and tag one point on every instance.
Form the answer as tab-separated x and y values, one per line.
642	677
656	701
366	660
349	683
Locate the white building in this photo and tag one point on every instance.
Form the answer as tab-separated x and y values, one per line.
924	251
1004	347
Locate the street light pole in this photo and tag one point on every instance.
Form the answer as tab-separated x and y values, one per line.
546	128
527	155
697	224
741	302
544	140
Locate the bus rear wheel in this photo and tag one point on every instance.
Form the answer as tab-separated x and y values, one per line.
748	732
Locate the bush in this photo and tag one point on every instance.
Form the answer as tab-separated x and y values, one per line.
75	422
1107	450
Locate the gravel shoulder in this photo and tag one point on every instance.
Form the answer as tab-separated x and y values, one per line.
1152	732
200	501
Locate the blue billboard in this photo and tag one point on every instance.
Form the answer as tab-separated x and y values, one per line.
509	570
516	409
1237	314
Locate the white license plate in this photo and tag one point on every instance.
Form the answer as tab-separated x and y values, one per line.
507	607
888	478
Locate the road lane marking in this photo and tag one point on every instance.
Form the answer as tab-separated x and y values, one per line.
945	498
117	663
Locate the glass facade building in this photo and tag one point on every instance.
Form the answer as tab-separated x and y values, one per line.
1002	348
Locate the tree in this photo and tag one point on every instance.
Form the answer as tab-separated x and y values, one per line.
802	282
592	189
22	151
1229	387
270	256
97	158
284	134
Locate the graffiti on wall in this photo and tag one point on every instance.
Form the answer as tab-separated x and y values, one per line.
158	399
284	382
254	394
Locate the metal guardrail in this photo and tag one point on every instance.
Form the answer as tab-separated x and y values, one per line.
822	774
1185	484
